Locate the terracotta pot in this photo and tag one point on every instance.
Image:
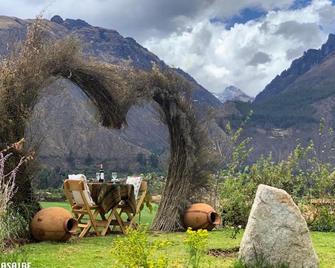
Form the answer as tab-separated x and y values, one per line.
201	216
54	223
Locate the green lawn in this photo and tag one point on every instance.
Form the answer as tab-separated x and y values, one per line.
95	251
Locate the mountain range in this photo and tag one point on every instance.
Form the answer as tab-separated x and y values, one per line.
288	109
64	121
299	67
291	106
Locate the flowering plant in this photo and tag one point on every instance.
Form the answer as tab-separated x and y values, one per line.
196	242
136	250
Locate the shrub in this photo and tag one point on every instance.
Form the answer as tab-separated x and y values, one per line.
16	225
12	222
156	183
135	250
196	242
236	201
7	184
304	174
325	222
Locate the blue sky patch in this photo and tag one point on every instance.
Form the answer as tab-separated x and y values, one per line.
253	13
245	15
304	3
298	4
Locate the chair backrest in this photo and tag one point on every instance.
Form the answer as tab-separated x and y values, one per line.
144	187
136	181
74	185
78	187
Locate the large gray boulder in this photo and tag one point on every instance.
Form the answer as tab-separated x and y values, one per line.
276	232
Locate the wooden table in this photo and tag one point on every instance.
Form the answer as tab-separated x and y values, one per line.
108	195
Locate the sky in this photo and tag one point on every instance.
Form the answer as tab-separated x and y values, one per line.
244	43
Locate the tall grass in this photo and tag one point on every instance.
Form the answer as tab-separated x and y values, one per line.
12	224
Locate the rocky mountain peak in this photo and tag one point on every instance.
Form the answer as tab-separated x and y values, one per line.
232	93
78	23
70	23
57	19
329	46
298	67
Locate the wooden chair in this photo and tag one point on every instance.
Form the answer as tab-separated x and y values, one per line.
140	197
82	205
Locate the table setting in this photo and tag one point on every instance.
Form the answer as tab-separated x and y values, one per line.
109	193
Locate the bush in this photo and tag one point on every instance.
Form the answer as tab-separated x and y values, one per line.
7	184
14	226
135	250
156	183
325	222
196	242
13	223
236	201
238	188
305	174
51	195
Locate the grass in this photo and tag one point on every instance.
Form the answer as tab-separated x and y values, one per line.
145	217
95	251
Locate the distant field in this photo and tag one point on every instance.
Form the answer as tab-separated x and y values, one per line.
95	251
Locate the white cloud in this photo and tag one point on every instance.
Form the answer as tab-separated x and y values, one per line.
179	31
139	19
217	57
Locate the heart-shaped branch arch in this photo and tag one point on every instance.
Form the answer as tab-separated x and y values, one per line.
113	89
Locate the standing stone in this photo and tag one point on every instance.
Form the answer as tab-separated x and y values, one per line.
276	232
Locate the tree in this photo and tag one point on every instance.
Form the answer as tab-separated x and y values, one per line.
88	160
141	159
70	159
154	161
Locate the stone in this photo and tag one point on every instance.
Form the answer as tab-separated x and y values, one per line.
276	232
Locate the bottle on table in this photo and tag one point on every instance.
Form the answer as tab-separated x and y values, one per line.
102	174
